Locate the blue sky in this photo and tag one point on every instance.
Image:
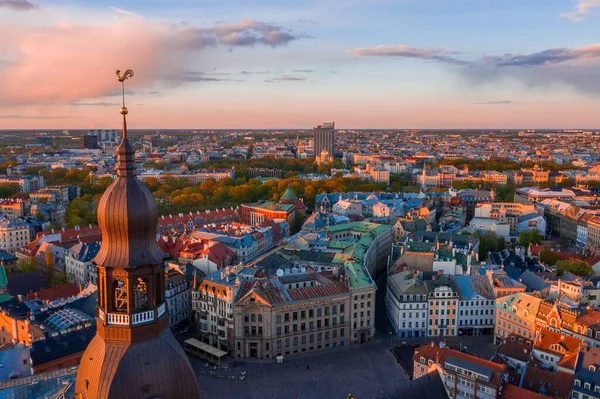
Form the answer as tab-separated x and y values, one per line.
363	63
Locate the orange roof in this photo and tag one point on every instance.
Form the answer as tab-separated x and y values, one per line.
514	392
591	318
66	290
536	249
172	246
557	385
557	343
439	355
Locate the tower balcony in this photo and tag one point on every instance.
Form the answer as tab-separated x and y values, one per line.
125	319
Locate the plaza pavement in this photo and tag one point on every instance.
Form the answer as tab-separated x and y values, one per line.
363	370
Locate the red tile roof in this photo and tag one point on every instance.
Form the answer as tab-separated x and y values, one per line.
85	234
558	344
332	289
536	249
557	385
66	290
439	356
510	391
172	246
591	318
516	347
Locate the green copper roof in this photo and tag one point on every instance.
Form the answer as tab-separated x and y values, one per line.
4	295
272	206
289	194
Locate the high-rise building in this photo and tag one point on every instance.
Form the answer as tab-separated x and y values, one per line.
323	141
134	354
90	142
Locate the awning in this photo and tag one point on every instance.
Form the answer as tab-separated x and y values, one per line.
216	352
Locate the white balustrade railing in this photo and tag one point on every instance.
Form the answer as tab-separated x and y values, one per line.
142	317
161	309
118	319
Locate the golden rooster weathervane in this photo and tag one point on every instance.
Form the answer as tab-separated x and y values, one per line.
122	78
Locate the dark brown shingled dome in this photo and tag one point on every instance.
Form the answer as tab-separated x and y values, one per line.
127	216
154	368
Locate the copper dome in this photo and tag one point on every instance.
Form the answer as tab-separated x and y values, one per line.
127	216
153	368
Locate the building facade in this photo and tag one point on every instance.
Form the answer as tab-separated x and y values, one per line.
407	305
443	297
324	139
464	376
14	234
291	315
516	314
178	298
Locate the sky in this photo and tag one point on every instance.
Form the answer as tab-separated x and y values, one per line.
215	64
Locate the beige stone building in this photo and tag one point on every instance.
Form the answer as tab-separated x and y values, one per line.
443	297
288	315
516	314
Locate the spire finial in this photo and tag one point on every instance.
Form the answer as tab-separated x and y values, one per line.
125	152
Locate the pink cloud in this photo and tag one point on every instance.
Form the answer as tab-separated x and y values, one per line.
71	62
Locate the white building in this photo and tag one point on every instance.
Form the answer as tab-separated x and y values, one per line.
177	295
406	302
14	233
347	208
213	303
396	167
79	266
476	306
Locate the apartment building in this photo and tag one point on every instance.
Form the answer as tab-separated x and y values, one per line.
14	207
464	376
14	233
443	297
586	384
476	306
407	304
213	301
177	296
516	314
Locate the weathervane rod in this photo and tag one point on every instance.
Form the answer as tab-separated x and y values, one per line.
121	78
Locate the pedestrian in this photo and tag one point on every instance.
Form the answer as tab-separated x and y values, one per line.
307	367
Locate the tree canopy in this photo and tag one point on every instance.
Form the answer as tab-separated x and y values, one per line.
489	242
548	258
530	237
578	267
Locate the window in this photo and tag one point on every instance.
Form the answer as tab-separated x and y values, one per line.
286	317
577	383
586	385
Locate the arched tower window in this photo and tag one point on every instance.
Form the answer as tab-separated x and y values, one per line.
140	293
120	295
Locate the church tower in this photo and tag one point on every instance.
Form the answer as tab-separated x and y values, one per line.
134	354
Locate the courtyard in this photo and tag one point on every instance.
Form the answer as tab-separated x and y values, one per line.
364	371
